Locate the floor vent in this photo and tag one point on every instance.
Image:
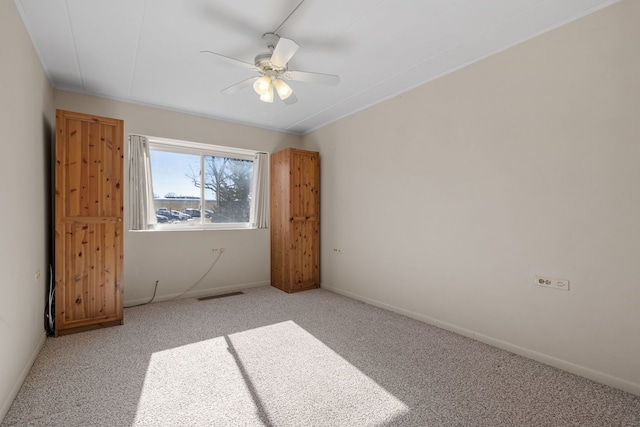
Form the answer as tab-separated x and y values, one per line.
230	294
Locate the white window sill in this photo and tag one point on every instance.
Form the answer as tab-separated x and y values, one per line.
217	227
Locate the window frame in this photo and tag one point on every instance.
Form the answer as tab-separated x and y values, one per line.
203	150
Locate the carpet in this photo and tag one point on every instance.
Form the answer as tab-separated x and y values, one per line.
315	358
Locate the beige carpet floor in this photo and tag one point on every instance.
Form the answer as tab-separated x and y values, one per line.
266	358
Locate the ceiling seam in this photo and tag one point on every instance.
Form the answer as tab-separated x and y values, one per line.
135	56
75	47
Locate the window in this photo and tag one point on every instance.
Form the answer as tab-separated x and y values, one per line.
204	186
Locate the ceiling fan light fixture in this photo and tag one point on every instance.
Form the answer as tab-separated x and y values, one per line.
283	89
267	96
262	85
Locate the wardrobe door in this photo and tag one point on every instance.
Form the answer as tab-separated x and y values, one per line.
280	222
88	222
305	224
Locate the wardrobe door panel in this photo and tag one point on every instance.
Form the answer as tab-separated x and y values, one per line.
88	222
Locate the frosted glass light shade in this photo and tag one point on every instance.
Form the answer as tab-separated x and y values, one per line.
262	85
267	96
283	89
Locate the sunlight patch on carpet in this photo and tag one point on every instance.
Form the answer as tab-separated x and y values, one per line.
278	374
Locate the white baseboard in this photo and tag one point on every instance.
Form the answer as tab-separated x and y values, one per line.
198	293
582	371
16	387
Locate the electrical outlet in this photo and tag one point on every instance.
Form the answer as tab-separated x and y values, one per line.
220	250
550	282
38	275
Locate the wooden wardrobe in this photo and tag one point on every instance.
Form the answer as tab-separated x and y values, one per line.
88	222
295	220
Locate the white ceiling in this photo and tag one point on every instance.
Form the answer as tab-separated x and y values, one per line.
148	51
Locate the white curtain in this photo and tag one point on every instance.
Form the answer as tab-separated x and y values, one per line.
260	192
141	207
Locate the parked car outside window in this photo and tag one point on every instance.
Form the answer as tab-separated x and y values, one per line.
194	213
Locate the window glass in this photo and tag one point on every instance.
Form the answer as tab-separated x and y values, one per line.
229	183
200	189
173	189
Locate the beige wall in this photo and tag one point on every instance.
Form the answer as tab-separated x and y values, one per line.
26	122
178	259
447	200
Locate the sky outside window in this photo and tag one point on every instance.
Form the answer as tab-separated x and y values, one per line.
170	173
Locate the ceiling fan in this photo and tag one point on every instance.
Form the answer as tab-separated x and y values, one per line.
273	69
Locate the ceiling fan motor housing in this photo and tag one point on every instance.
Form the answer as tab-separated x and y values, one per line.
271	40
263	62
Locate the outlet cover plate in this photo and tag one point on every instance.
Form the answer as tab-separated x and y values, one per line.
551	282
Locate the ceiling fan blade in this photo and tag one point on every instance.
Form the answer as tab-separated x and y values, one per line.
284	50
232	61
304	76
239	86
291	99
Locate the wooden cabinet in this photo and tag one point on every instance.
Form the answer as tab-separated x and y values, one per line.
88	222
295	220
